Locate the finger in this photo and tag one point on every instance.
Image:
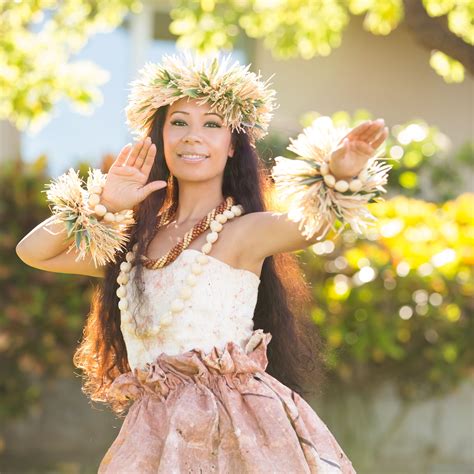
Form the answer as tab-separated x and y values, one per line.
149	160
135	152
356	131
122	156
380	139
124	170
378	134
347	145
143	153
372	131
152	187
362	148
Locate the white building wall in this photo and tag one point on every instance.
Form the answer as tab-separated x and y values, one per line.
389	76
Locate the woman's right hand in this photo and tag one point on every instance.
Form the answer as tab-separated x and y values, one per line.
125	186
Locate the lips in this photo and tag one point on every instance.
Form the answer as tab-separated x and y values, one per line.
193	157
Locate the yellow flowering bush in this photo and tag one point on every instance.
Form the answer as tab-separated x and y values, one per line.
398	303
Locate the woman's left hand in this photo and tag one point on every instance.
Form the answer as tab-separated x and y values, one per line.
356	148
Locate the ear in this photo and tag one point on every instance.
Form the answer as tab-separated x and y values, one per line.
230	151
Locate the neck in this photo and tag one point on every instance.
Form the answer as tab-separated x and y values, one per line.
196	199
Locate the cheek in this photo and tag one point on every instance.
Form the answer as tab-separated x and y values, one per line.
171	138
170	135
223	142
167	144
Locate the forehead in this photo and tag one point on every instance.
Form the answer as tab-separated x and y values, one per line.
190	105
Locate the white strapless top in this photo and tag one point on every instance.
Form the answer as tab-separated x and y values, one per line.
220	309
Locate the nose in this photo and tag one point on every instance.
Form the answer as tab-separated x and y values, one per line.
191	138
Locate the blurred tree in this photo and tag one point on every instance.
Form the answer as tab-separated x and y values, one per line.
38	39
308	28
41	313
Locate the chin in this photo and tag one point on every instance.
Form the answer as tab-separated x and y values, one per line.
195	175
200	171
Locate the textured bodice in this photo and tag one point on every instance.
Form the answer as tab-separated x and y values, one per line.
219	310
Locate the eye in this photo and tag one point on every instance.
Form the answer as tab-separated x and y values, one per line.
214	123
175	122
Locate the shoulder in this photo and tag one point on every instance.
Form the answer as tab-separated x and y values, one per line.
253	223
266	233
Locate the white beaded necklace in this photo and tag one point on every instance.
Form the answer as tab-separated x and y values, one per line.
178	305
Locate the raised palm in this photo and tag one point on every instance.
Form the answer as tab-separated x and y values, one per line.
357	147
125	185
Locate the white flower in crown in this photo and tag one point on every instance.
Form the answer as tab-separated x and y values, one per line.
243	99
299	182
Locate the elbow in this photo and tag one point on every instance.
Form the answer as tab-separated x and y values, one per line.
22	253
19	252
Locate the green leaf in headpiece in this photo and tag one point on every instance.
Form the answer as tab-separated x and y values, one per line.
78	238
193	93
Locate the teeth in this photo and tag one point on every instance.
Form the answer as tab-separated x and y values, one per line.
193	156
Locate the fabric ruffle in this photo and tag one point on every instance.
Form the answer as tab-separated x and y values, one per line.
166	372
218	412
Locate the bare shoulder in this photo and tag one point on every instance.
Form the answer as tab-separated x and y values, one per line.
251	238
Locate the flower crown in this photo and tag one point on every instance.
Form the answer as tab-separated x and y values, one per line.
241	97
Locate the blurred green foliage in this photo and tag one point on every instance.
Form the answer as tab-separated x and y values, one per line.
460	14
41	313
38	40
308	28
398	304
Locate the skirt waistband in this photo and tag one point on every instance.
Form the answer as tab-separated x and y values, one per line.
166	372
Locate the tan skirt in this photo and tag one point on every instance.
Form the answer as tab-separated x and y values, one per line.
218	412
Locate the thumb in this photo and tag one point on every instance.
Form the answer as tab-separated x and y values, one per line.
152	187
346	147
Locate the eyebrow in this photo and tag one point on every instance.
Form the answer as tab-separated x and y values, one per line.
207	113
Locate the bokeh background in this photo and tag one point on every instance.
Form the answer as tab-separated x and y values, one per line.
394	307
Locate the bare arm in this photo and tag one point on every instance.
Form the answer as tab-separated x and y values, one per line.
45	248
269	233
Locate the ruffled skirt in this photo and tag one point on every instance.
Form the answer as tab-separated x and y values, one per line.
218	412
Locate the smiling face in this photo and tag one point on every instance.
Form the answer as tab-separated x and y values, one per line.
196	142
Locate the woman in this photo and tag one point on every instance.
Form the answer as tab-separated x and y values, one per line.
180	326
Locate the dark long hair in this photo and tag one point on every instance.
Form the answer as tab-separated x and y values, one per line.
294	353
